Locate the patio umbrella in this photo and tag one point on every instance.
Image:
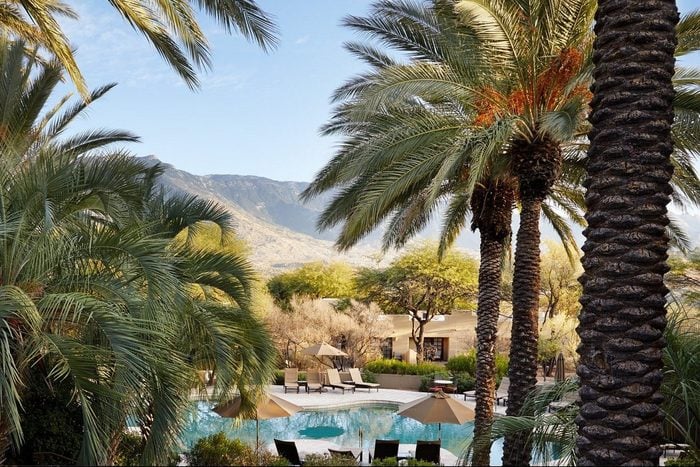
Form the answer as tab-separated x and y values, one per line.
323	350
437	408
559	375
270	407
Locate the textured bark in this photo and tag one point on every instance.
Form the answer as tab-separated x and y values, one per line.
486	329
522	369
623	315
492	207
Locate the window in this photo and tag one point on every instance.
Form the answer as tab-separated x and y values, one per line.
387	346
434	349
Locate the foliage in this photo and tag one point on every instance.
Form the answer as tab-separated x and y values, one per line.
558	334
52	423
217	449
684	278
421	284
279	377
680	387
368	376
355	329
393	461
463	363
328	460
467	363
171	27
559	288
312	280
398	367
95	290
129	450
463	381
681	461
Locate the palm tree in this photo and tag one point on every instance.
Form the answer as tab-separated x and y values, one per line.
434	129
169	25
403	156
629	170
95	290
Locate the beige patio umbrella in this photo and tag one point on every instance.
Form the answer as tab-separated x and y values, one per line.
323	350
437	408
270	407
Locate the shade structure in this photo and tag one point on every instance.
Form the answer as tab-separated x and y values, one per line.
437	408
559	375
323	350
270	407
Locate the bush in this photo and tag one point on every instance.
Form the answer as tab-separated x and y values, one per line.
326	459
393	461
465	363
501	366
464	381
129	450
681	462
397	367
217	449
368	376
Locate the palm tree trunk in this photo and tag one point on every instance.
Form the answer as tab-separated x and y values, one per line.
623	315
522	368
491	252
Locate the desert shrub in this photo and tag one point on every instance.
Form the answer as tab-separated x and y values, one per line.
501	366
463	363
464	381
397	367
368	376
217	449
328	460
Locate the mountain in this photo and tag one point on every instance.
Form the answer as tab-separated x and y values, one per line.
268	215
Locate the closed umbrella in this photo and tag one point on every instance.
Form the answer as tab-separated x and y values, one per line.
270	407
559	375
437	408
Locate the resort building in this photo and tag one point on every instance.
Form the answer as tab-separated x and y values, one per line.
445	335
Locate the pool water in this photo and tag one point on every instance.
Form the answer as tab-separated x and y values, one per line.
338	425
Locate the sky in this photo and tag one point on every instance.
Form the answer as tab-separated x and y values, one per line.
256	113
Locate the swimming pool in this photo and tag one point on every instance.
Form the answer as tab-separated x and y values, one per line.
338	425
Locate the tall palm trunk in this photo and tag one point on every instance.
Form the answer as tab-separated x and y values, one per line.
492	207
522	368
537	164
623	315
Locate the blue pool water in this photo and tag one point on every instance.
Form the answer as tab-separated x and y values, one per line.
339	425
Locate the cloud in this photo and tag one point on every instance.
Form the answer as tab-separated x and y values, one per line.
302	40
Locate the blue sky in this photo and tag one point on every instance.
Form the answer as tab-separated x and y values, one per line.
255	114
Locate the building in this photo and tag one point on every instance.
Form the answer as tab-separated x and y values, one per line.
446	335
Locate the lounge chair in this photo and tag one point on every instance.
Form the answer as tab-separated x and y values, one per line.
356	377
428	451
334	381
313	381
291	376
346	453
501	392
288	450
384	448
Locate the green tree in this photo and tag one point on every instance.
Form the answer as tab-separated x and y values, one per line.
94	291
684	278
171	26
628	187
313	280
559	287
422	285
